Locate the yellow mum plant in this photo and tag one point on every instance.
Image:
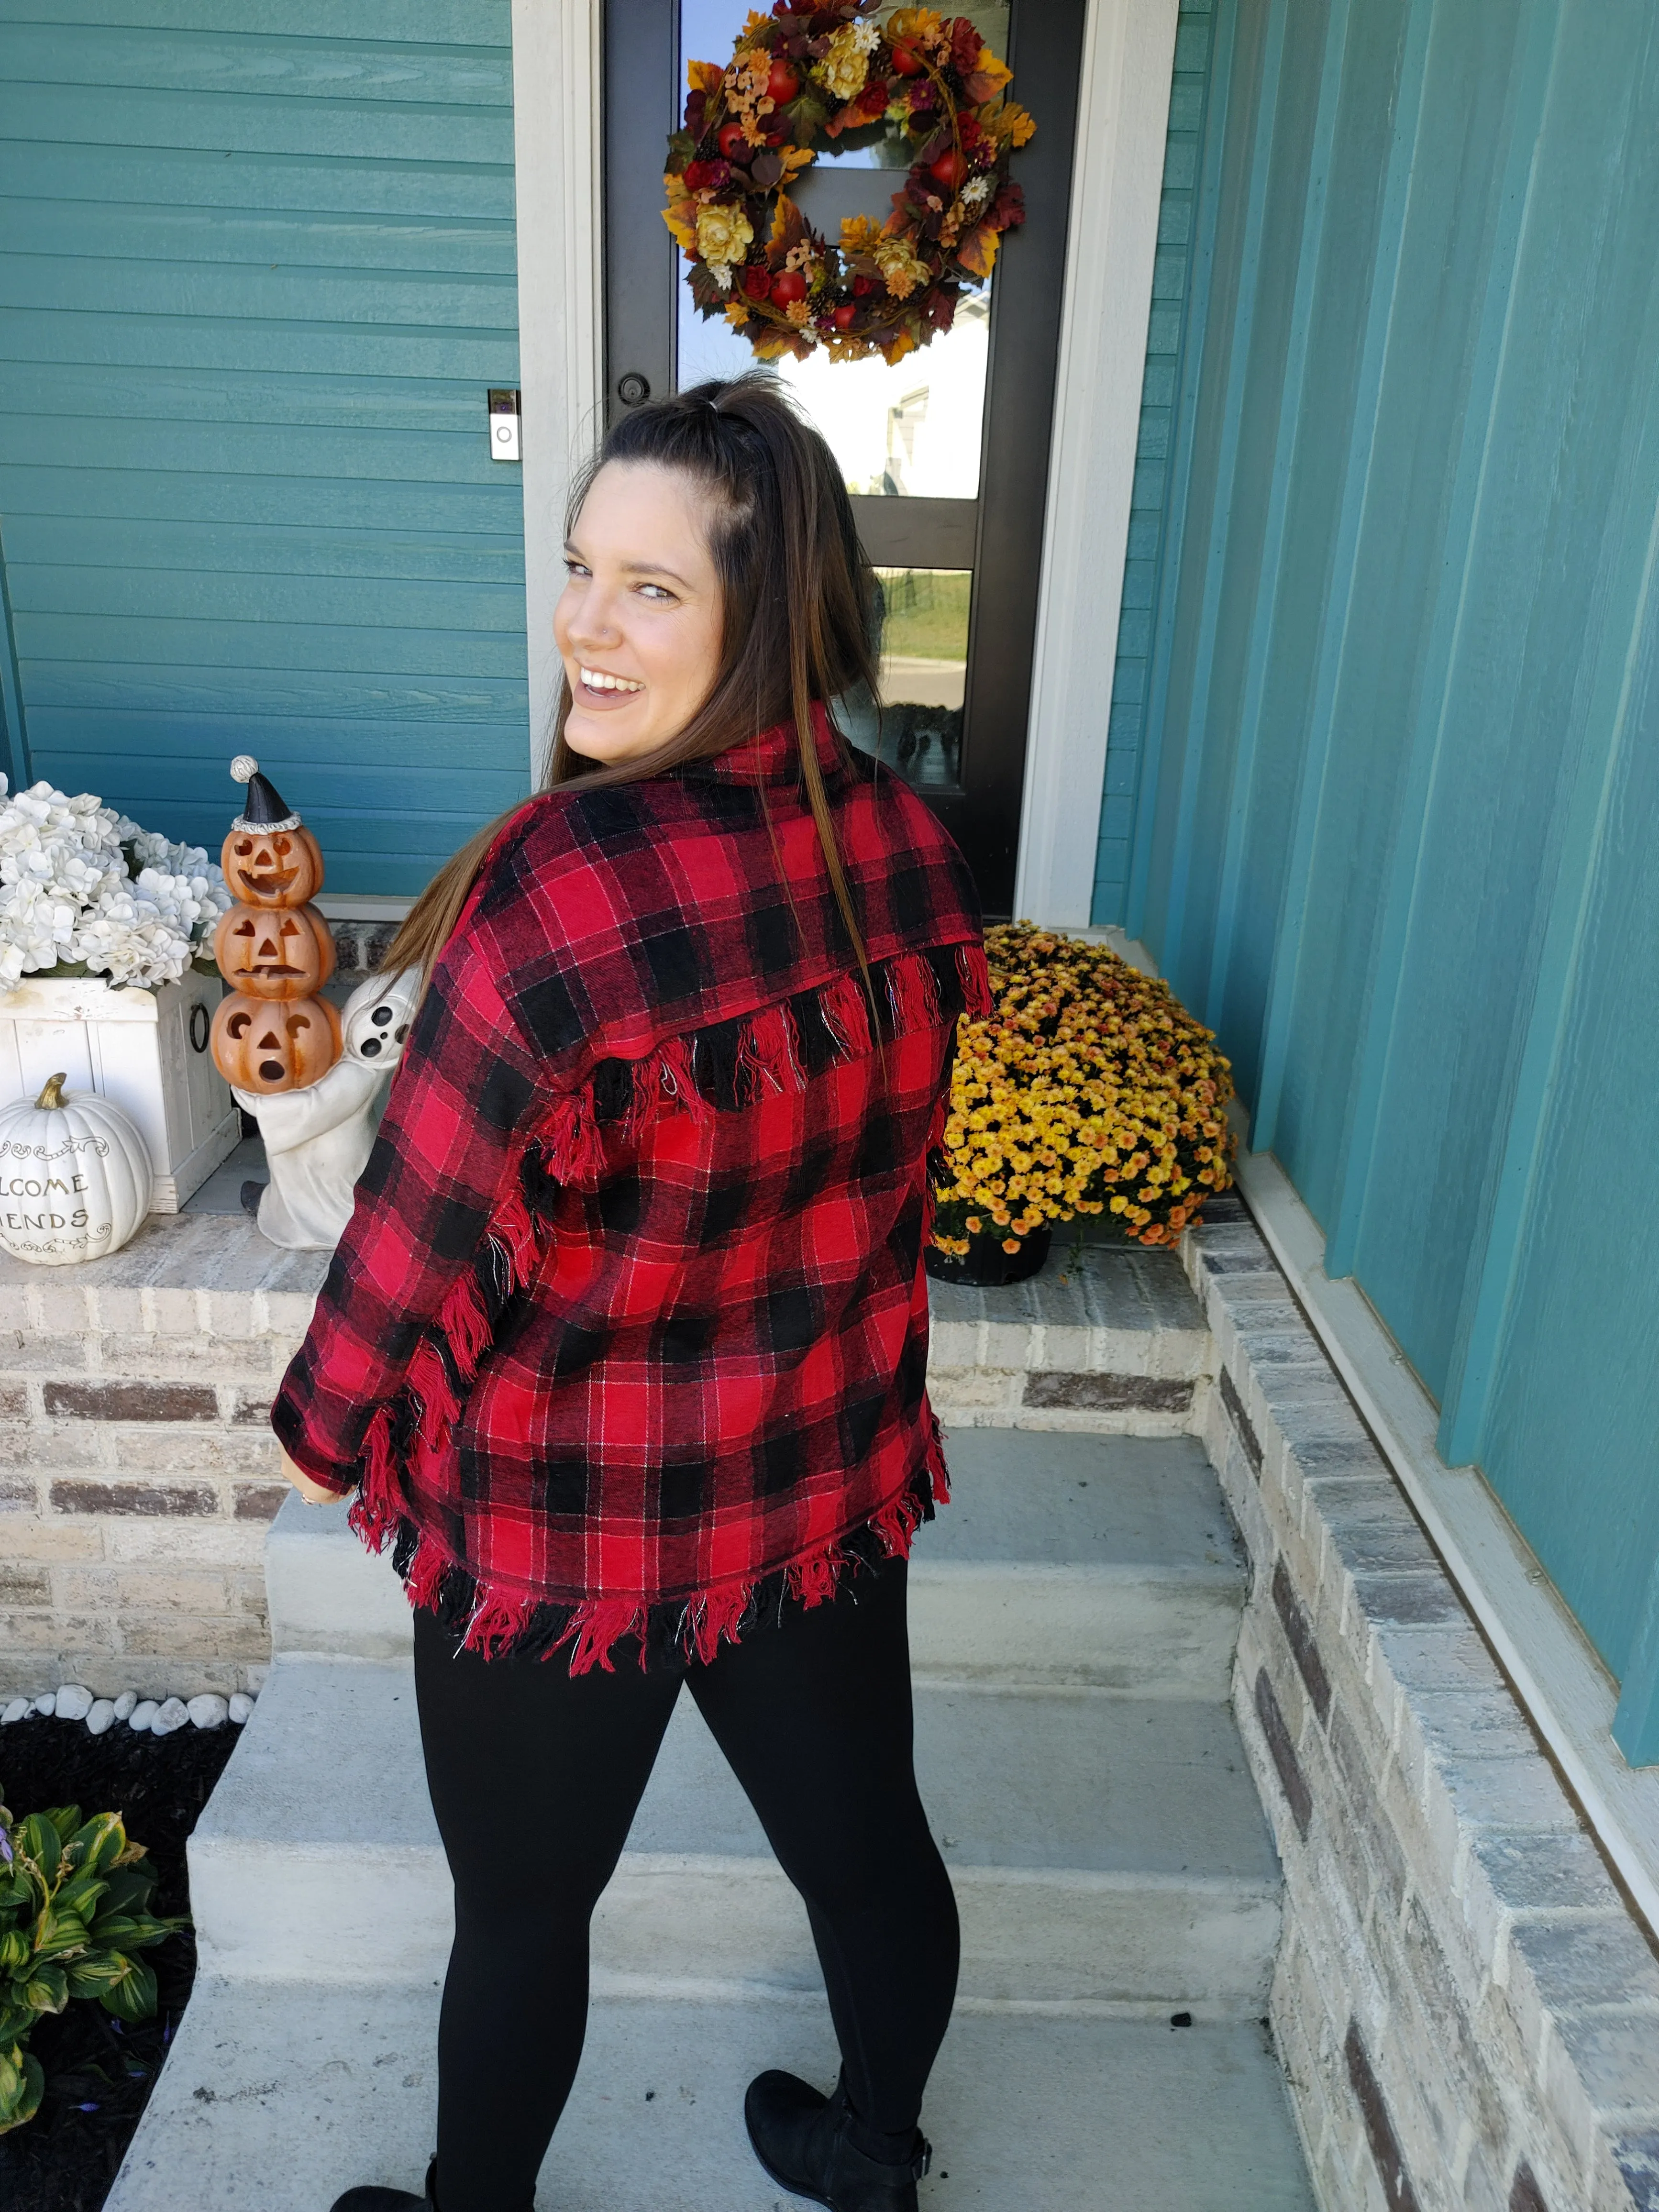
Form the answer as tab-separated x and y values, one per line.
1089	1090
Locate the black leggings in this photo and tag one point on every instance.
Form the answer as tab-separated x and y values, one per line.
813	1714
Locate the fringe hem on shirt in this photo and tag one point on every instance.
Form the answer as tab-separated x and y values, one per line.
669	1632
731	1065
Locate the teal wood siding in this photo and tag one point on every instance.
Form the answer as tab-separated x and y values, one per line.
257	274
1396	833
1157	475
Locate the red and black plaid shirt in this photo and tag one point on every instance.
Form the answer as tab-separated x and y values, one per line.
628	1334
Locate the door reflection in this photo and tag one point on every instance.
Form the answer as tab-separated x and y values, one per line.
922	677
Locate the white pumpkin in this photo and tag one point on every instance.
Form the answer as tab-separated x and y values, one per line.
75	1177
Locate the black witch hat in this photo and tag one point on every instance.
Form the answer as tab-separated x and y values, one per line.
266	808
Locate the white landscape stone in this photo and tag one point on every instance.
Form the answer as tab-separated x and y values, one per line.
47	1702
18	1709
102	1715
74	1701
241	1707
171	1715
125	1703
143	1714
208	1710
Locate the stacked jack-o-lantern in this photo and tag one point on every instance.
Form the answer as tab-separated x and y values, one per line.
274	1032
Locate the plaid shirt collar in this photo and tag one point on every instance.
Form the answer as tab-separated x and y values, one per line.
772	756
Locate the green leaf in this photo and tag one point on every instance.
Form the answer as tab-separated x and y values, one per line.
82	1895
26	2103
66	1819
90	1978
126	1889
150	1931
59	1932
38	1837
102	1840
133	1997
46	1989
113	1931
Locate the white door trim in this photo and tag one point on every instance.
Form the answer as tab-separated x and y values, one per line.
558	45
1117	183
1118	176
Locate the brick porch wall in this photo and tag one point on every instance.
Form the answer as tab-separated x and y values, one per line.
1466	2011
138	1471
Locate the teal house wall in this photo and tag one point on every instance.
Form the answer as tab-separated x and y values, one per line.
1185	225
257	275
1394	832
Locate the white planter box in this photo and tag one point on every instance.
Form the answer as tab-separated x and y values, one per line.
139	1049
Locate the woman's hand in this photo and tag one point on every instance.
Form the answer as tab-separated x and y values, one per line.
314	1494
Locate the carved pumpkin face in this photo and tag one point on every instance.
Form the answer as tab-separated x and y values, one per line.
279	869
274	955
266	1045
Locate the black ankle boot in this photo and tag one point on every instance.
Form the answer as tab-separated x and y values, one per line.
803	2140
373	2198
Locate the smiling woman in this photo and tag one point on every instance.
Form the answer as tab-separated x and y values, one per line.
639	622
624	1348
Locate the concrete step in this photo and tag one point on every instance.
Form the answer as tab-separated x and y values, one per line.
278	2095
1098	1560
1109	1338
1103	1849
1104	1560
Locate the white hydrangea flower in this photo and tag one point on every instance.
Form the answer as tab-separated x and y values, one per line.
80	882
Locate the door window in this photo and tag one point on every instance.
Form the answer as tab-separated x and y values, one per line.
944	454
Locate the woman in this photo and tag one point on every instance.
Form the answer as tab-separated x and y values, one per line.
623	1349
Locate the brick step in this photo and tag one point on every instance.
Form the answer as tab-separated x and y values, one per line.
1109	1338
1104	1849
278	2095
1108	1561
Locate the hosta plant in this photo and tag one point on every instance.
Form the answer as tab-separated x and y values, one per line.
74	1914
1090	1089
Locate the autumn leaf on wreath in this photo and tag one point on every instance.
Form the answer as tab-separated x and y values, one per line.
681	213
776	343
705	77
978	250
858	233
986	78
1009	120
909	26
787	227
896	349
794	160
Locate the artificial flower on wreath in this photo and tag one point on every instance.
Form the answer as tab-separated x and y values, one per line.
84	890
1090	1089
809	72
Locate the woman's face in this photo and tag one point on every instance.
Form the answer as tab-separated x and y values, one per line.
638	623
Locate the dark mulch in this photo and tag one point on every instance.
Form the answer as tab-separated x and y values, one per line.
99	2070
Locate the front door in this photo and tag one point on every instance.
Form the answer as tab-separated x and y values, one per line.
945	454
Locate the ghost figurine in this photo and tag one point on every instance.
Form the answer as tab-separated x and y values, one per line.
318	1139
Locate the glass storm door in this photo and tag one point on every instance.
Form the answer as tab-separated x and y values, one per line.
945	454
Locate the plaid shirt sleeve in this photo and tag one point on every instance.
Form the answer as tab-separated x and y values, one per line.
465	1097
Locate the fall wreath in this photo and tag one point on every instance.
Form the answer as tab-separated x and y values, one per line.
833	71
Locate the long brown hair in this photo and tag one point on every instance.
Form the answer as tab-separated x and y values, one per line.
796	598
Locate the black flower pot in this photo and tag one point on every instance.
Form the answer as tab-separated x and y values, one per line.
985	1265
